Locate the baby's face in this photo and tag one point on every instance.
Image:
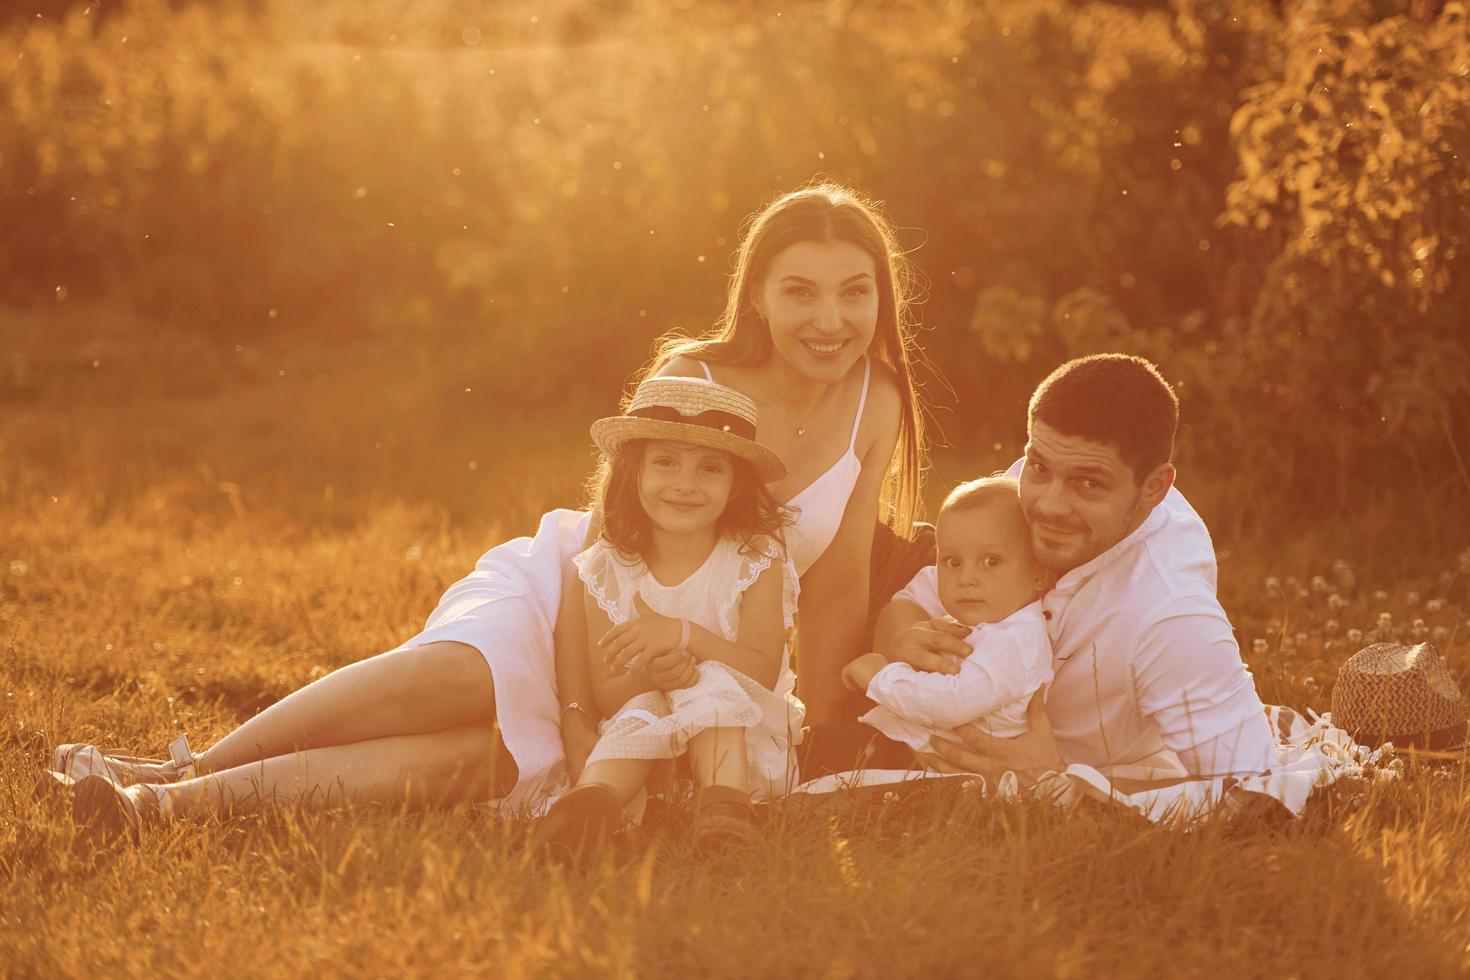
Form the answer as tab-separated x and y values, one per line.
986	568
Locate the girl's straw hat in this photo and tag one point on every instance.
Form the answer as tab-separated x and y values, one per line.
691	410
1390	692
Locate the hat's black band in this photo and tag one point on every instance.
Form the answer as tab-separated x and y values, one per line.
712	419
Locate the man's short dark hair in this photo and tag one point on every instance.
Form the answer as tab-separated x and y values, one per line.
1116	399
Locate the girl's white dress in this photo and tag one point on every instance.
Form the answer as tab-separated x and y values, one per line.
656	725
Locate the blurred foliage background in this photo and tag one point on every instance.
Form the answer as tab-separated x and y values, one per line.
515	198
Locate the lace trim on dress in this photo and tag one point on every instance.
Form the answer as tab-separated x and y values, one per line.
755	559
595	567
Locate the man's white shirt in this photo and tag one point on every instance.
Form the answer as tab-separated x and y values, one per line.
1147	670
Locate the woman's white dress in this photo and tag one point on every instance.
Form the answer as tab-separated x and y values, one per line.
658	725
506	609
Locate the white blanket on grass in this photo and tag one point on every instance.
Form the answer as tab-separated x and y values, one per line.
1313	754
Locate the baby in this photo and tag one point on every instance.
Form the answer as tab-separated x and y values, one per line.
988	579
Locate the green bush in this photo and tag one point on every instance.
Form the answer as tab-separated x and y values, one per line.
1275	210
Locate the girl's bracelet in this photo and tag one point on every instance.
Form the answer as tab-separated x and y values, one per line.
683	634
575	706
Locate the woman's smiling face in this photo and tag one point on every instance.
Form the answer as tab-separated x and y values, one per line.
820	302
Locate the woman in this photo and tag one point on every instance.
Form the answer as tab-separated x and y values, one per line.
816	332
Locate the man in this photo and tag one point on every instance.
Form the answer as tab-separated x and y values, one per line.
1149	681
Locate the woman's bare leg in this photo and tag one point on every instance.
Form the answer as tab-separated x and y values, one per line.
437	769
416	691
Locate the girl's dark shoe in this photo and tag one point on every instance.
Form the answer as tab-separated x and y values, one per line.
578	825
724	818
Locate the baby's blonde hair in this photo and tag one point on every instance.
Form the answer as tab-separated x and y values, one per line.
976	493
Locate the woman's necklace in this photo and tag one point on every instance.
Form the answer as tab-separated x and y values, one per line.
811	414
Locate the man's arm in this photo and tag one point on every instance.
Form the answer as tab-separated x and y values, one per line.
1191	683
1028	755
896	617
905	633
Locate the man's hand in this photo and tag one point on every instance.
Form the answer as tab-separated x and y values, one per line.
578	736
858	674
649	633
930	645
1027	755
672	670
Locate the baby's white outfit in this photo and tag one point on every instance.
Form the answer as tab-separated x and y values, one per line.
658	725
1008	662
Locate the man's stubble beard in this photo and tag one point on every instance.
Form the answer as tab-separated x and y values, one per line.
1058	566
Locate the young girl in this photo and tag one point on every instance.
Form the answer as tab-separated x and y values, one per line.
690	558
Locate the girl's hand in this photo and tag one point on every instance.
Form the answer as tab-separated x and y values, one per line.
672	670
649	633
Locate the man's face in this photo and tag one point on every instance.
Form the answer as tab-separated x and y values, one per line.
1080	498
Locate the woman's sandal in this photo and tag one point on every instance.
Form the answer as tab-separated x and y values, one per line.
724	818
578	825
78	761
107	811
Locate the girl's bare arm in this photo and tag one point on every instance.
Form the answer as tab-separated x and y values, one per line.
611	688
573	681
756	652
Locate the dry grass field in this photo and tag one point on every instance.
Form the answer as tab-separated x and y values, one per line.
188	533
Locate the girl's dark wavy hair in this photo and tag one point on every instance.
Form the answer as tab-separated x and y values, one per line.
751	511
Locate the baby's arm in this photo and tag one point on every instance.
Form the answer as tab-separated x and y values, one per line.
989	679
859	672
